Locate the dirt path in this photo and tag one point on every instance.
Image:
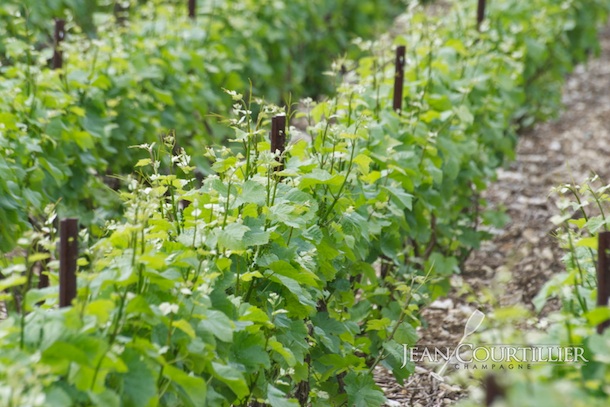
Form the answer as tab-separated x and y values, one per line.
511	269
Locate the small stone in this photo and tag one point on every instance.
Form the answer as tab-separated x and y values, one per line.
547	253
449	388
421	370
555	145
531	236
442	304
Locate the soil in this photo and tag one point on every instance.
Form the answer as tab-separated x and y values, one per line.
513	266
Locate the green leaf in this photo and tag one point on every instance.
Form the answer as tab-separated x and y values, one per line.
598	315
223	164
102	82
232	378
35	295
143	162
83	139
195	388
163	96
100	309
320	177
185	327
302	276
57	397
590	242
371	178
139	382
248	276
12	281
218	324
107	398
429	115
256	237
378	324
363	162
283	351
138	305
231	237
276	398
600	347
439	103
402	199
464	114
294	287
8	121
458	45
362	391
341	363
284	213
252	192
250	351
595	223
441	265
60	351
406	334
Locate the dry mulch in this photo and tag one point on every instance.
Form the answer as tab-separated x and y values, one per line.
523	255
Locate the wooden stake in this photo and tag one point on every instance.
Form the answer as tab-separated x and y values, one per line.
68	254
192	8
278	137
399	78
43	280
60	33
493	390
603	275
481	13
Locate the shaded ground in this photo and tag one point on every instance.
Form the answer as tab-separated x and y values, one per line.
511	269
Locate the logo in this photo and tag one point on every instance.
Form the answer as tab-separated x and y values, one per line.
468	356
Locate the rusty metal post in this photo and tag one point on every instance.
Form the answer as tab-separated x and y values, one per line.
603	275
43	265
192	8
493	390
60	33
481	13
68	254
43	280
278	137
121	13
399	78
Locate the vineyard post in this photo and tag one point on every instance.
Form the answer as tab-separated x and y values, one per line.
480	13
121	13
399	78
278	137
68	254
493	390
58	37
192	8
43	280
603	275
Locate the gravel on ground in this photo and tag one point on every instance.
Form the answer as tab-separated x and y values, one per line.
513	266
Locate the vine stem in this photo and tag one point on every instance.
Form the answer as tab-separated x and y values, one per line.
336	198
167	343
115	331
402	317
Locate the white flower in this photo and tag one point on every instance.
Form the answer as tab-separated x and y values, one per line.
234	95
166	308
